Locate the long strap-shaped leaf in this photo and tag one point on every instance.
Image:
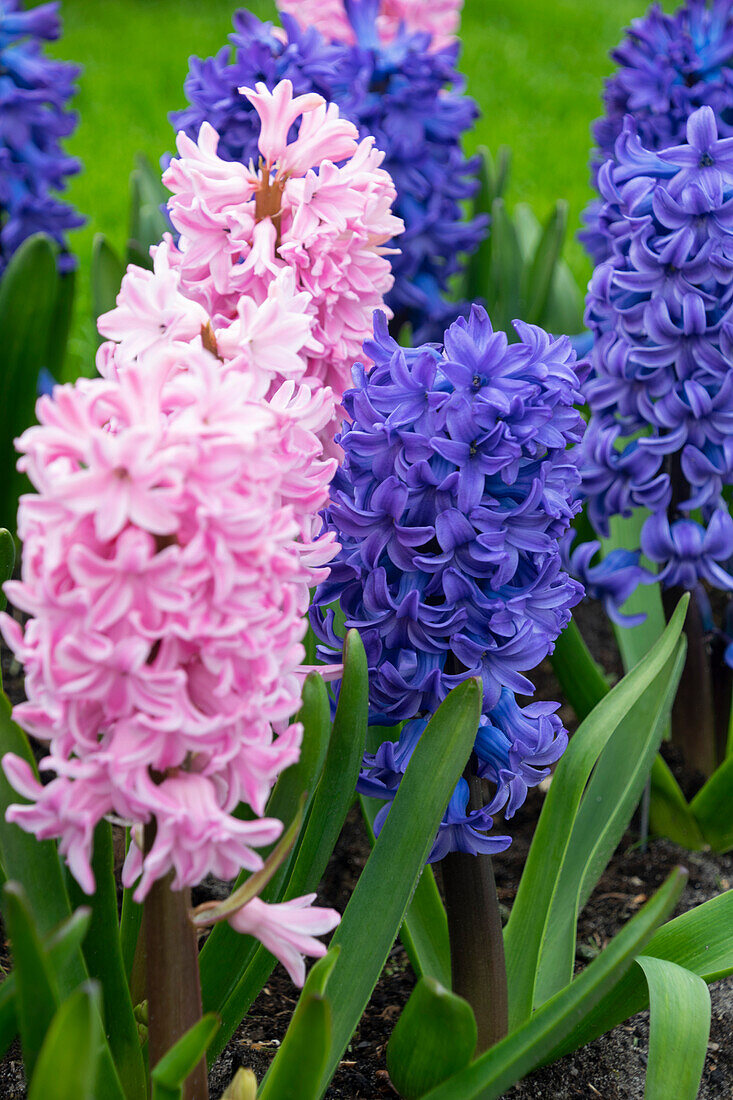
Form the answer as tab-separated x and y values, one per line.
679	1029
605	811
700	940
103	954
69	1059
713	808
527	927
581	680
533	1043
35	864
424	931
378	905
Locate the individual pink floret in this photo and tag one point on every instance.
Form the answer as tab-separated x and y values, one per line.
438	18
287	930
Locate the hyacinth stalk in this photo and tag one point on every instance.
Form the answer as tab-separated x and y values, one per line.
450	504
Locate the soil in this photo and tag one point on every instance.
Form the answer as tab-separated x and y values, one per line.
612	1067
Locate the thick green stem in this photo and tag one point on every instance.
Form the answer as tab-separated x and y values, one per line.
693	716
172	973
476	941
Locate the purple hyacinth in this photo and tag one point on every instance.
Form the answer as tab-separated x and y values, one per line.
660	307
454	493
669	66
411	99
34	92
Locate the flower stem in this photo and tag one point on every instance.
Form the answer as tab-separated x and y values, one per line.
172	973
476	941
693	719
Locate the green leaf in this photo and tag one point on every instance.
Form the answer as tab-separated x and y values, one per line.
538	276
711	807
679	1029
435	1037
603	816
169	1075
700	940
106	275
35	864
7	562
59	946
37	993
504	292
537	1040
60	326
334	795
492	182
69	1058
424	931
528	924
227	954
581	680
28	295
103	954
669	812
147	221
295	1072
379	902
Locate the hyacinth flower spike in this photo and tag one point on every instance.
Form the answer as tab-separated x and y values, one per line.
660	434
450	506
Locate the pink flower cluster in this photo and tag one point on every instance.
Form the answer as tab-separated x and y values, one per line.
318	206
166	567
439	18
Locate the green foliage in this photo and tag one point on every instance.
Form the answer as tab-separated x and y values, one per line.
518	271
106	276
378	904
530	917
30	291
435	1037
679	1028
534	1041
69	1058
295	1073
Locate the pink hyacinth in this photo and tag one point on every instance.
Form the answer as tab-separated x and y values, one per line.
438	18
317	207
166	572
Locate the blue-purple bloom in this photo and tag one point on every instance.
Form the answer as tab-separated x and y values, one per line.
661	390
34	92
669	66
454	493
410	98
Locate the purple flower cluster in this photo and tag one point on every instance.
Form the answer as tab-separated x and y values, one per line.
669	66
34	91
409	97
661	390
455	490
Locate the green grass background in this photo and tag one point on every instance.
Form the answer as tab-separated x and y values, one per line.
536	68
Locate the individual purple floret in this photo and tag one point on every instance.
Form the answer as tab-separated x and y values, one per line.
409	97
669	66
34	92
660	434
454	493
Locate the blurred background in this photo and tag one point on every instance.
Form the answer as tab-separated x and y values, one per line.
536	68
